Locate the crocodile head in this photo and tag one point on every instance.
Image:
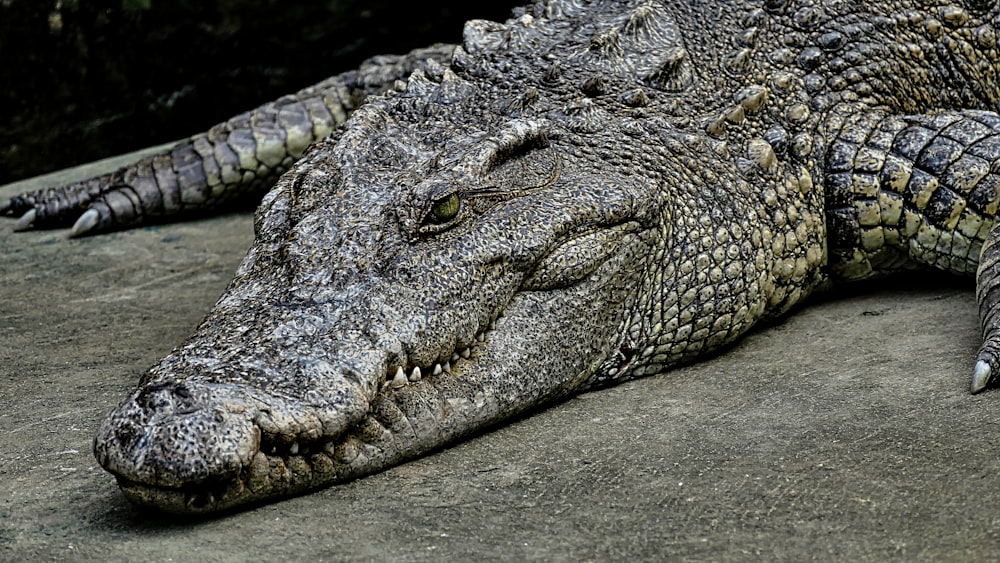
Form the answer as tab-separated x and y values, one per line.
407	286
450	260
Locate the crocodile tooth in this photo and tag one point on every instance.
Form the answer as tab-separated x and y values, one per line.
393	370
493	324
415	374
465	353
447	367
454	357
294	450
399	379
481	337
26	220
437	369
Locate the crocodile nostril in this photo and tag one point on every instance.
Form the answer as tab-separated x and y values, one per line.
166	398
156	399
127	433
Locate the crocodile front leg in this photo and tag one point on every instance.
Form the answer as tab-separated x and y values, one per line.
988	295
922	189
235	160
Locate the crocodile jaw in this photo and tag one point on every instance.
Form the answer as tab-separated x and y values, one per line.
155	442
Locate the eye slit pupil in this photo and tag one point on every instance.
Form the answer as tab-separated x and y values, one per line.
445	209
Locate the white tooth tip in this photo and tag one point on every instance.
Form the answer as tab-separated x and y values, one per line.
454	357
480	337
415	375
437	369
447	367
294	450
466	353
399	379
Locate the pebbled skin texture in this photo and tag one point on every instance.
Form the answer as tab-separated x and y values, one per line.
587	193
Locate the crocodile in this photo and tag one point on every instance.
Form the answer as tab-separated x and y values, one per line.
589	192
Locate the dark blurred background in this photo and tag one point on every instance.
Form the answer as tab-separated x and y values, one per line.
85	79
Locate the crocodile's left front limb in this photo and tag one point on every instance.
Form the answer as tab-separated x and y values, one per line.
235	160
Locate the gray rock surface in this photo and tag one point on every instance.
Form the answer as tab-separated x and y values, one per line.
845	432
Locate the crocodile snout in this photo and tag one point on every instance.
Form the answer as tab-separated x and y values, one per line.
179	433
201	441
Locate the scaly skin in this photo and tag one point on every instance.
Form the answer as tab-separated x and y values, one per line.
579	196
236	160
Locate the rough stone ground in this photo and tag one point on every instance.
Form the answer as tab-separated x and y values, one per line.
844	433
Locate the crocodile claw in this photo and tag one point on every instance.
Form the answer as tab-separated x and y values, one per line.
85	223
27	221
6	206
981	375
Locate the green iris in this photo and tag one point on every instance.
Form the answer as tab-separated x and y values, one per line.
445	209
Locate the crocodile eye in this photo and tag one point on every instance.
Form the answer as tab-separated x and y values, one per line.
444	209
